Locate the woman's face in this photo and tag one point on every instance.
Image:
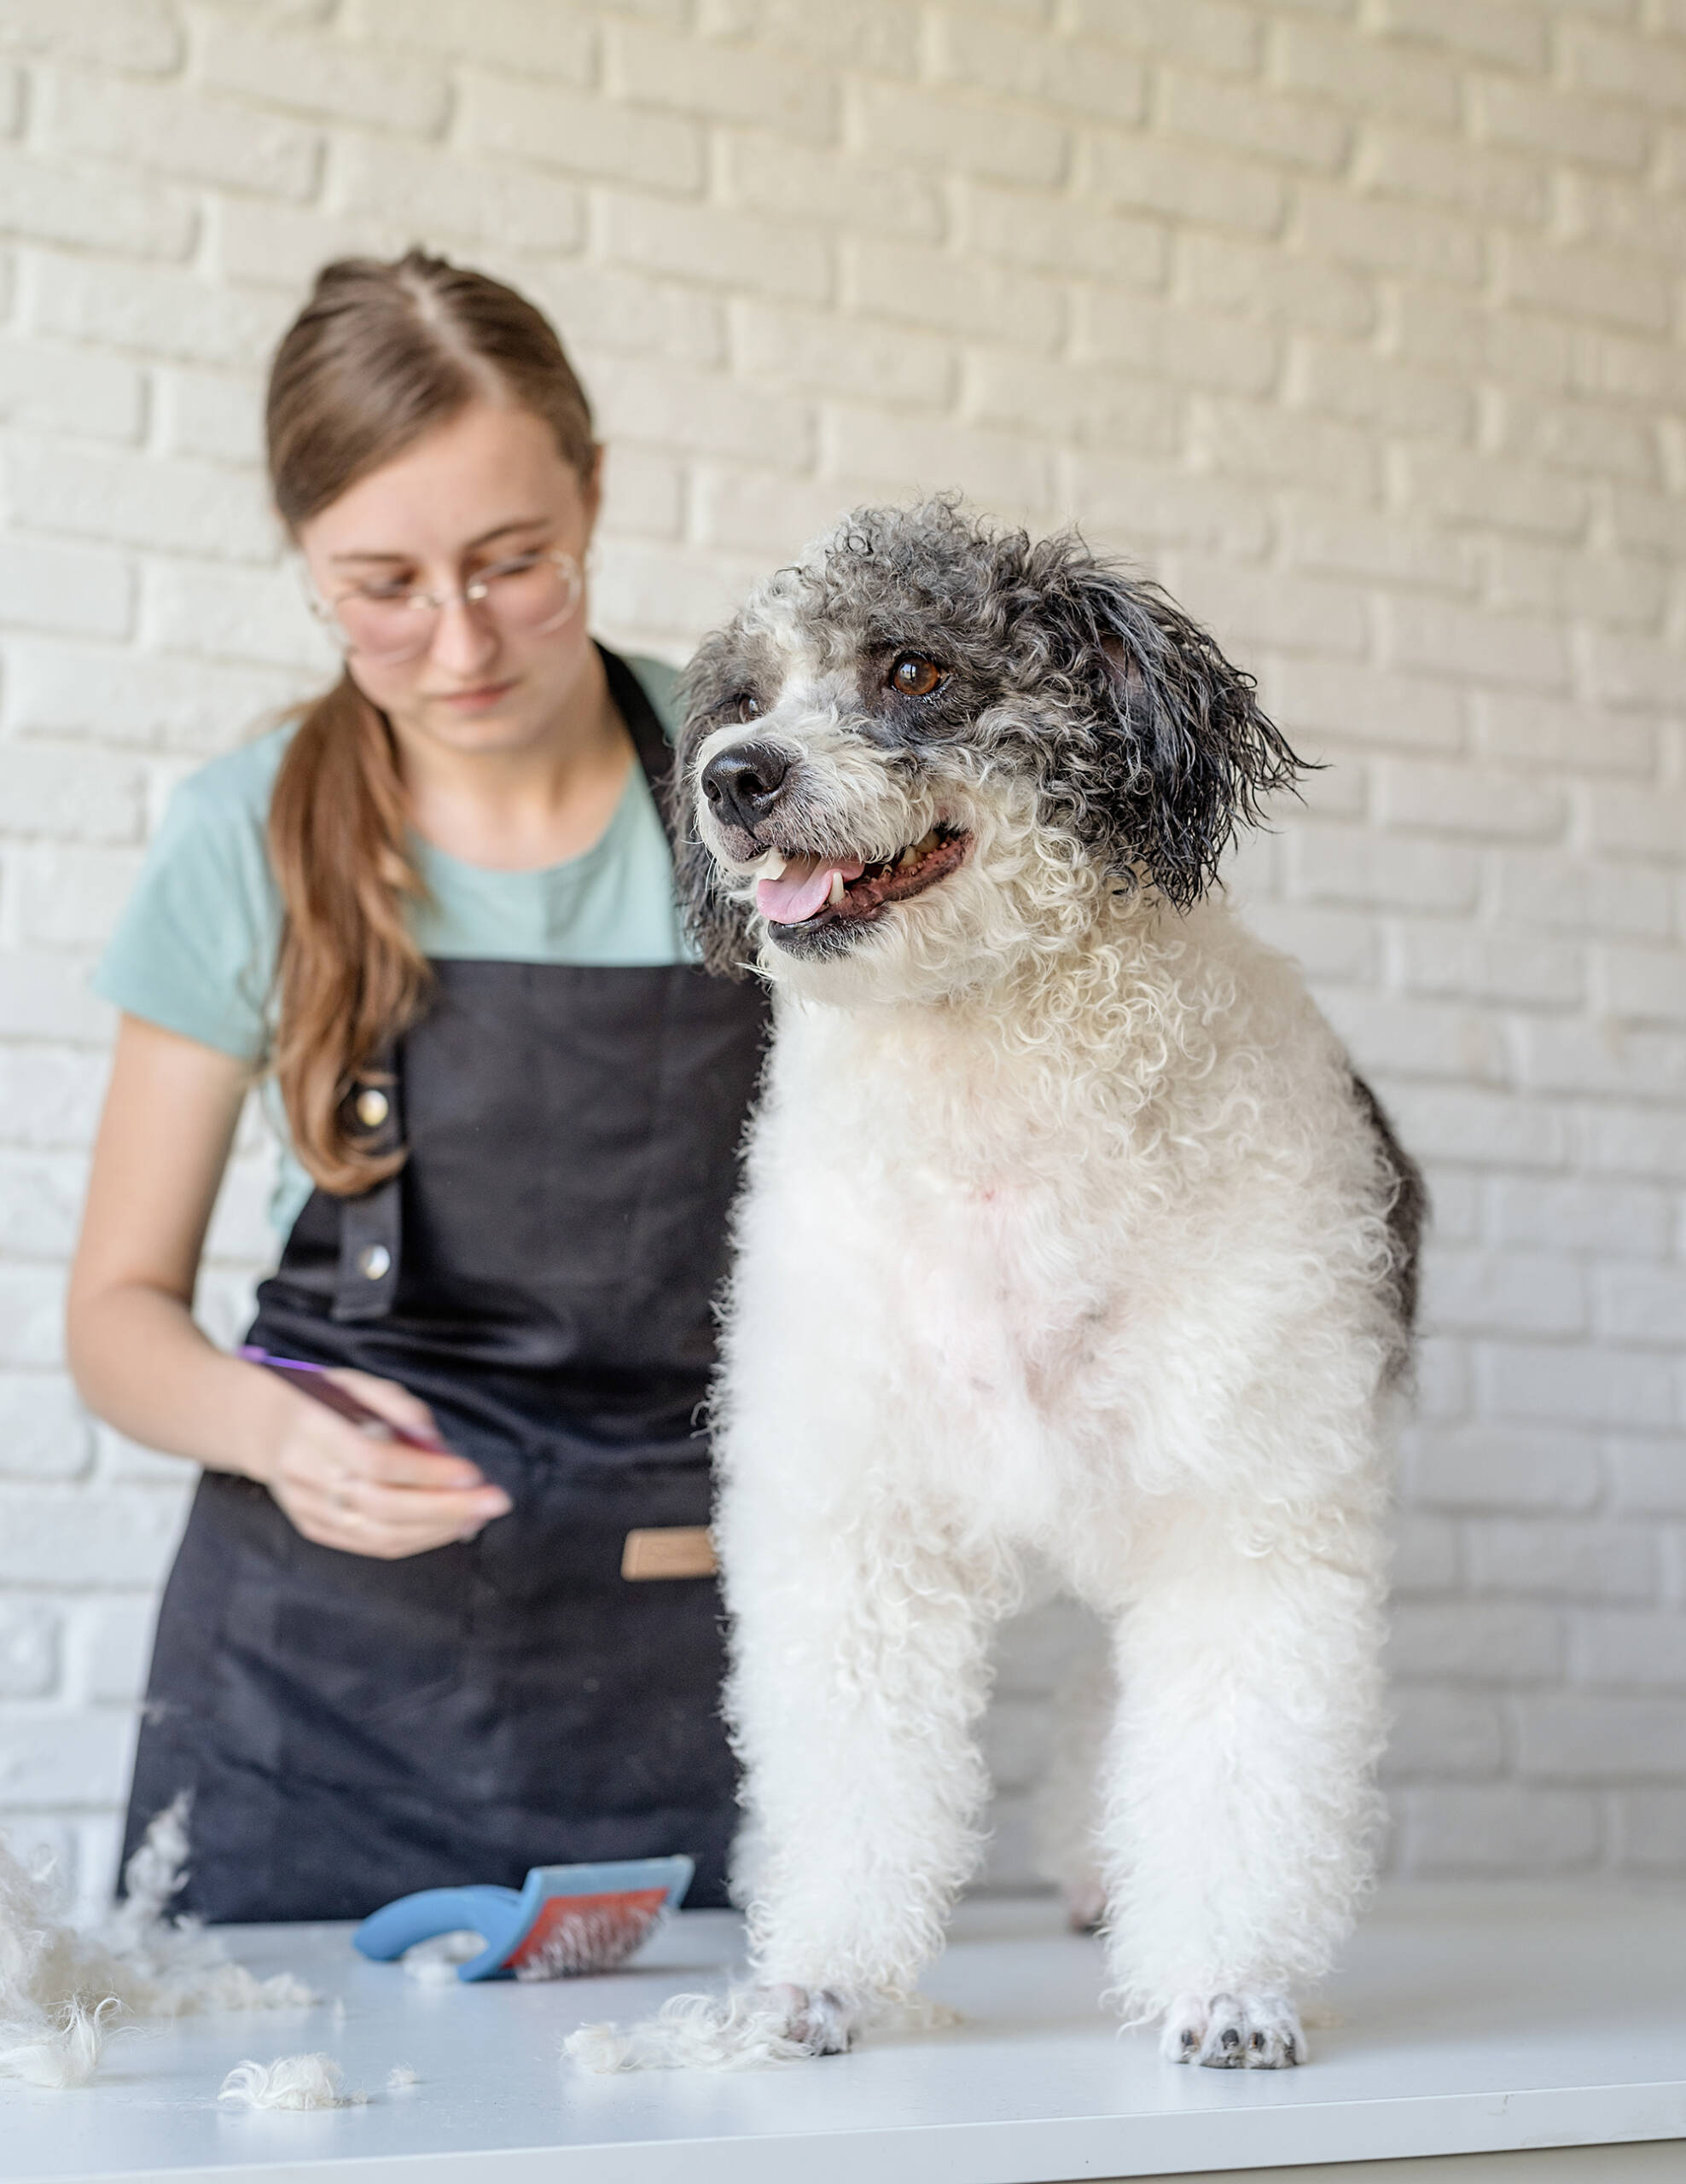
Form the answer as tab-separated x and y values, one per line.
487	491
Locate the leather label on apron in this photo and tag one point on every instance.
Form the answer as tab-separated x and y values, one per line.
671	1551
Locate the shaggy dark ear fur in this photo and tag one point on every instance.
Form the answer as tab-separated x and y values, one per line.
720	926
1183	753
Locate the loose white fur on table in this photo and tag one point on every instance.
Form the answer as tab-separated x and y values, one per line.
1066	1241
290	2081
63	1990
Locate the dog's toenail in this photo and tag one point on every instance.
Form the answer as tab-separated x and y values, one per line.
1190	2040
1231	2037
1290	2050
1258	2042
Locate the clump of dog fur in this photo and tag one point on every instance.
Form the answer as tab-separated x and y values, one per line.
1070	1243
64	1990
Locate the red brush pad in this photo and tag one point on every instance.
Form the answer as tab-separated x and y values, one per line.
586	1933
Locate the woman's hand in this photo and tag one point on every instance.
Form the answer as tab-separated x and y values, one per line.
346	1487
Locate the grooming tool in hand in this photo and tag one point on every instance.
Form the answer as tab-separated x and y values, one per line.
566	1921
313	1380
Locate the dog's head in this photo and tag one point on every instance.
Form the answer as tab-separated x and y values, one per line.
931	747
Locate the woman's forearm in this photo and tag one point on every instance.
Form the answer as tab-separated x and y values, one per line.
144	1366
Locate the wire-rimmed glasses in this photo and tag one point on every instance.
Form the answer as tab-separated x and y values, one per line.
531	593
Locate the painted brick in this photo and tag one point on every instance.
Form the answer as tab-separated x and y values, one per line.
1078	75
1653	1829
1441	636
1374	232
73	1538
216	415
1601	1218
1535	119
1336	63
1548	888
1508	35
1614	64
741	250
1641	1303
171	130
1485	1828
1440	1732
1438	171
556	129
134	697
905	457
44	1433
29	1650
1509	1293
1629	1141
1252	439
1105	409
1225	273
160	314
1250	608
930	288
1027	227
40	203
1391	547
644	493
143	35
700	411
69	391
1442	955
1335	864
71	897
49	1095
1185	347
67	589
324	77
1187	182
1346	380
1647	1478
1560	1560
139	500
1427	1557
880	35
1627	291
819	183
1460	800
432	191
65	1759
1457	332
1645	982
42	996
1361	702
900	124
1540	732
61	790
1634	1650
604	311
721	81
1478	1641
557	41
1299	132
1209	36
1577	1385
1568	1737
763	511
111	1646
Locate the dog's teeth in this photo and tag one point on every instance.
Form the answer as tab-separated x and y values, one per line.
909	856
773	864
927	841
836	889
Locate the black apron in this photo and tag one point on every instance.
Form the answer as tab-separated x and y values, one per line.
540	1271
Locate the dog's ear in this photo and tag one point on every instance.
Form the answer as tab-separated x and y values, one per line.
1182	754
718	924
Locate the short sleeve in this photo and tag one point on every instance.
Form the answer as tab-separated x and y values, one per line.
195	950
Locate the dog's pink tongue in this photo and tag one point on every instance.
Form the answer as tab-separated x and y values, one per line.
801	887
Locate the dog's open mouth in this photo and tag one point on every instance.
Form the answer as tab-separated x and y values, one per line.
819	894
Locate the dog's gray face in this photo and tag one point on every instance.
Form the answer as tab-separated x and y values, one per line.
929	747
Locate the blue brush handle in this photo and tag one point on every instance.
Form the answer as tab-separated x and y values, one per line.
492	1913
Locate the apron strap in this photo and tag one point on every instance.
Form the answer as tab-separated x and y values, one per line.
649	738
371	1225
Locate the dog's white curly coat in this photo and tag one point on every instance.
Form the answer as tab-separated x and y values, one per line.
1064	1242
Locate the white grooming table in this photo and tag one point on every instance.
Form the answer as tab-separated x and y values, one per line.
1469	2024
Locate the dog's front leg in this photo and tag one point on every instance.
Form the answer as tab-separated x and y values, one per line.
859	1672
1240	1803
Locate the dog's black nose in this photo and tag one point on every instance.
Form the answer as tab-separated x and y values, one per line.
744	783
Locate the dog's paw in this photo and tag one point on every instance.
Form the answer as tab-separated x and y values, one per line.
1085	1902
815	2021
1245	2031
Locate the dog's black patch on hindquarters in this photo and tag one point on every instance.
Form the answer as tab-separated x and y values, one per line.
1407	1217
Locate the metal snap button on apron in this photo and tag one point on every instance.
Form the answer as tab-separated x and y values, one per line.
373	1107
373	1260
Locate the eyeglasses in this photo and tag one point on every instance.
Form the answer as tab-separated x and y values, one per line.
531	593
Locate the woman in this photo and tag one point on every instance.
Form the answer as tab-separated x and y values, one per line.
437	913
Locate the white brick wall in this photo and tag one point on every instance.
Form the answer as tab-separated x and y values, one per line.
1357	320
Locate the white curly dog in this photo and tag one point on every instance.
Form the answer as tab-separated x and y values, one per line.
1070	1240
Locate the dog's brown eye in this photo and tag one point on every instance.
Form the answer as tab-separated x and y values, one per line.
914	676
748	705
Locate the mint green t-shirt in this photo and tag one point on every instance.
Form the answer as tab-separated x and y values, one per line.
195	950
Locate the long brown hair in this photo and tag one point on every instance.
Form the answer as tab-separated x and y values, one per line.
380	355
